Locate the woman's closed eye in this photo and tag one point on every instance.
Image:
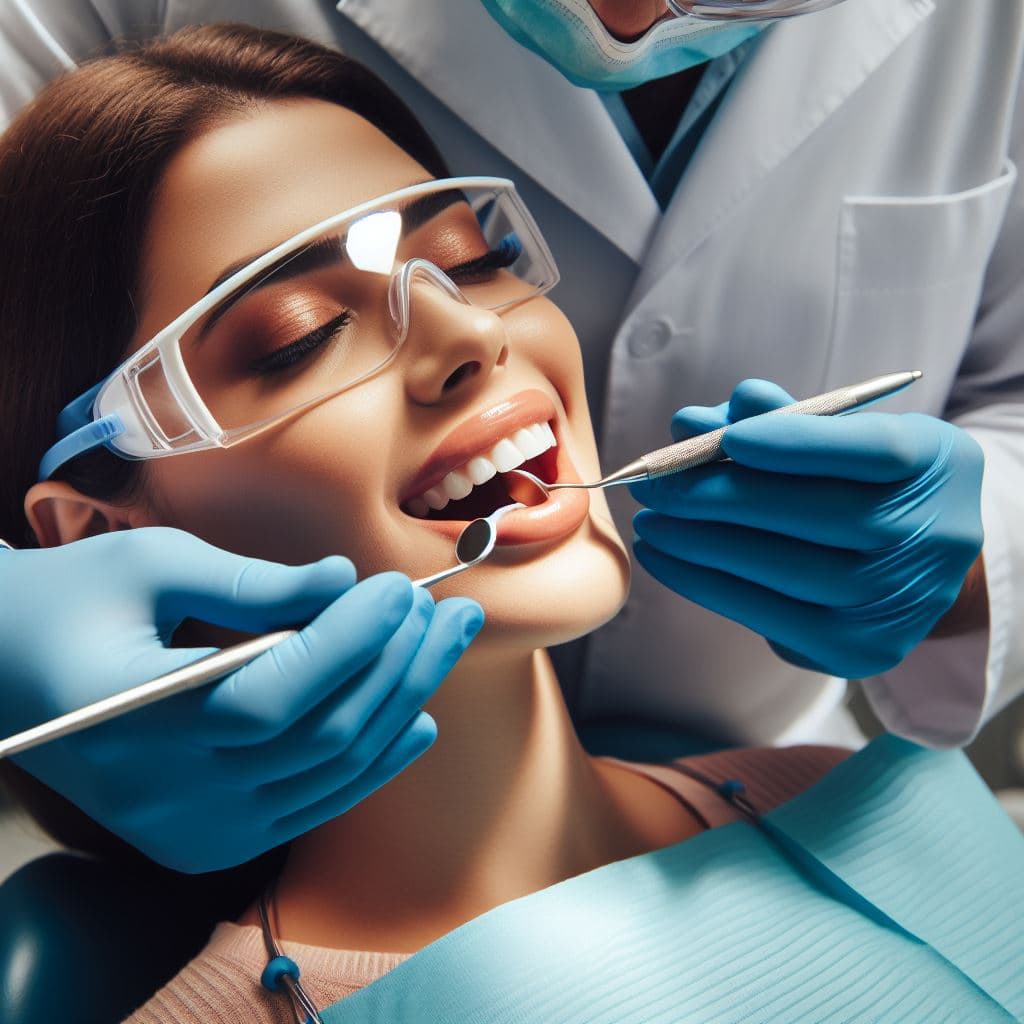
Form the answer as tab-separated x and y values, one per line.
481	268
298	350
477	270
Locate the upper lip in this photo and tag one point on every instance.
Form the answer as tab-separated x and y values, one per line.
478	434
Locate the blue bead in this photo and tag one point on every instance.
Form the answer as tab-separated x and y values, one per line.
510	248
276	969
731	788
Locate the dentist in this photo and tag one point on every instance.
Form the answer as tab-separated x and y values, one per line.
805	191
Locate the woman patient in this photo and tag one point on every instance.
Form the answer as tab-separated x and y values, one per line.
360	403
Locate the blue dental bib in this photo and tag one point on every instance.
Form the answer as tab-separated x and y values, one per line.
891	891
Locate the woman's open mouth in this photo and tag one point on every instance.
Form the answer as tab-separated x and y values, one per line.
477	486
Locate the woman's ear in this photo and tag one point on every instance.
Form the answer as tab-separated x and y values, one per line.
58	514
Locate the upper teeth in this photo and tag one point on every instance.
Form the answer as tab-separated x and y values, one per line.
508	453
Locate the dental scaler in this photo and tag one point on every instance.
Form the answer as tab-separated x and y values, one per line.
705	448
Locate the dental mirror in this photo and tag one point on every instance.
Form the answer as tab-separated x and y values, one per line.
475	543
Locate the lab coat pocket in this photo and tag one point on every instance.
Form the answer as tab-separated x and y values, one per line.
910	271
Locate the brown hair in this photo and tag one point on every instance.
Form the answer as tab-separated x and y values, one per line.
78	171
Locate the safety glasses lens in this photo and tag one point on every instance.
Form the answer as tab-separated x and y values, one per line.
753	10
318	320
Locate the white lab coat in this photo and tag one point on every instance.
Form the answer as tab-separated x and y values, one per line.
852	210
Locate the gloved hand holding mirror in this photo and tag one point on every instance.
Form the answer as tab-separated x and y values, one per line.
214	777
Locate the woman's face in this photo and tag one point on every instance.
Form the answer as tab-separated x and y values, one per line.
343	477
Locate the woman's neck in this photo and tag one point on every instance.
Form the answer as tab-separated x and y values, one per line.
505	803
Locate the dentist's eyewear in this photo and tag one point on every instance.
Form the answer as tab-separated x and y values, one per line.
312	318
746	10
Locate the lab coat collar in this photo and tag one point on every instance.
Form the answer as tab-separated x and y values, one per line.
460	54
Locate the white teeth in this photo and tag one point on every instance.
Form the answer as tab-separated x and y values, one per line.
457	485
508	453
480	470
435	498
505	456
528	443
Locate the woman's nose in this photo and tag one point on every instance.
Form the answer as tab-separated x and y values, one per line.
452	346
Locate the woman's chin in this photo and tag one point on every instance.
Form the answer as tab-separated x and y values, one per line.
541	595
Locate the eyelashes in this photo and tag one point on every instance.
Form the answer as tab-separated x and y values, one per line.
296	351
502	256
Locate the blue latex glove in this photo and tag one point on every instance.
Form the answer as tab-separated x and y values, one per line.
211	778
840	539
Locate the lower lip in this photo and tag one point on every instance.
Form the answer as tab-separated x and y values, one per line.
556	517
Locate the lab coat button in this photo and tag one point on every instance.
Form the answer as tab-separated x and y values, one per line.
650	338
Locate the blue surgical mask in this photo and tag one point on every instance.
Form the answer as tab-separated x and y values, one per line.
571	37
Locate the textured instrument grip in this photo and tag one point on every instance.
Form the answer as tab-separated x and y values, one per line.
696	451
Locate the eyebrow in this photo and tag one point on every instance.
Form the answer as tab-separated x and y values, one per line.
322	253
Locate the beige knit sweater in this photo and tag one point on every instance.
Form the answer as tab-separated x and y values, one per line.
222	984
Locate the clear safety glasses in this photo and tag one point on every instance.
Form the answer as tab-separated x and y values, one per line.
310	319
740	10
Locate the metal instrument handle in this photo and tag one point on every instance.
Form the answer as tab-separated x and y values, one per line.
696	451
188	677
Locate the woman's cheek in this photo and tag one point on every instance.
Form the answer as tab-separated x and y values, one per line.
540	334
250	507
